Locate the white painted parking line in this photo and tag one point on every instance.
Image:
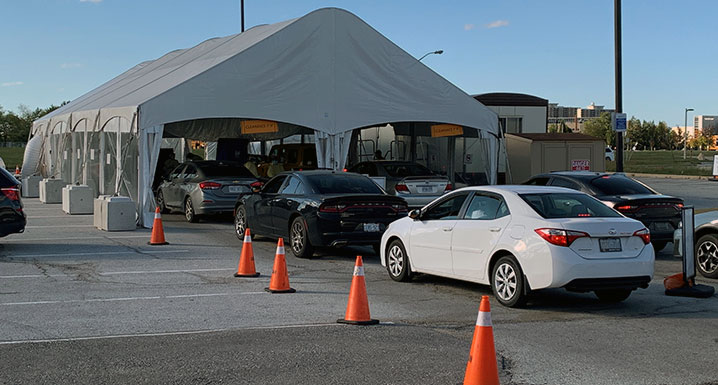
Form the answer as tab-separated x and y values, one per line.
166	334
150	252
56	226
58	216
124	299
74	239
116	273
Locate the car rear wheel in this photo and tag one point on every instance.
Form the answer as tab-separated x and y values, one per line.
161	203
707	255
397	262
507	282
299	240
189	213
613	295
240	222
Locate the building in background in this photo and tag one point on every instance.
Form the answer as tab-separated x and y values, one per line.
706	124
574	117
518	113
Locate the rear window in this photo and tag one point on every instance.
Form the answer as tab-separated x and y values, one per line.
7	179
567	205
619	185
343	184
220	170
406	169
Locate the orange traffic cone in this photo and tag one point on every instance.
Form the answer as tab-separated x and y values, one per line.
481	368
17	170
158	233
358	305
246	259
279	283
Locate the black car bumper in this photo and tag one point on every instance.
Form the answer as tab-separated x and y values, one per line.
12	223
590	284
332	231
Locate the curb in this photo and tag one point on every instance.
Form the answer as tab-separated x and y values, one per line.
670	176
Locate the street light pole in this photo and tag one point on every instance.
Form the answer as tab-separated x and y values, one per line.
439	52
685	132
241	11
619	80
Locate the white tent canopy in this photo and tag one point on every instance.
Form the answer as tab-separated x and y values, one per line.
327	71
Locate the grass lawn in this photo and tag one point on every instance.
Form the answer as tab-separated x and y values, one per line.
12	156
666	162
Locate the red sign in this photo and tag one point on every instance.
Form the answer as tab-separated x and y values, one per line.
580	165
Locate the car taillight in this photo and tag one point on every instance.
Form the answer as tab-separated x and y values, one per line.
449	187
209	185
560	237
401	187
332	208
11	193
626	208
400	208
679	206
644	234
256	184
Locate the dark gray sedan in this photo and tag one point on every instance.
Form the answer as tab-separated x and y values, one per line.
204	187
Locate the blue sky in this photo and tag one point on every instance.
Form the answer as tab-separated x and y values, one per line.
56	50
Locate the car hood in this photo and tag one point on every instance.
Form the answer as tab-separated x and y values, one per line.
707	217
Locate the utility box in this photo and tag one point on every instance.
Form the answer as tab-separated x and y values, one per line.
531	154
31	186
77	199
51	190
113	213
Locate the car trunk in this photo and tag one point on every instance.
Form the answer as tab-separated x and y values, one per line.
609	238
661	213
368	213
231	186
425	185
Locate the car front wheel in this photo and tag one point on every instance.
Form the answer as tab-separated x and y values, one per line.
397	262
161	203
507	282
299	240
707	255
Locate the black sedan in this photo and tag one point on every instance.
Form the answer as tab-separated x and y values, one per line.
660	213
12	216
319	208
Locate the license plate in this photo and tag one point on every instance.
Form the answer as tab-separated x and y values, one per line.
371	227
426	189
609	244
235	189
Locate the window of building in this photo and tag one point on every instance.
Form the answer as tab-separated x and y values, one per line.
511	125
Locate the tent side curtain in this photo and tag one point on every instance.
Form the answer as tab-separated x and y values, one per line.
332	150
150	141
212	129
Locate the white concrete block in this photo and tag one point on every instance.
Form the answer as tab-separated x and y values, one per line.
51	190
77	199
117	214
31	186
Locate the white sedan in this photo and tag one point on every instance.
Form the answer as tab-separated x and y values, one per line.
522	238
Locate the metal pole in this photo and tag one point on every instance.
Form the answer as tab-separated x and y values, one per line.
619	81
685	133
241	11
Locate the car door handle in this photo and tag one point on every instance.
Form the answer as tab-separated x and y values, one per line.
494	229
448	228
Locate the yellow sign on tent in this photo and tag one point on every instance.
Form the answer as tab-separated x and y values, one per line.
259	126
439	130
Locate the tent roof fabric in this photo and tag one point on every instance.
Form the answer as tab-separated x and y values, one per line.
328	70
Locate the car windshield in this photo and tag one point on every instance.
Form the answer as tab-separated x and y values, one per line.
221	169
619	185
343	184
567	205
7	179
400	170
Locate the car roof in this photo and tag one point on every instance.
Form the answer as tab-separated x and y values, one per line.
520	189
581	175
318	172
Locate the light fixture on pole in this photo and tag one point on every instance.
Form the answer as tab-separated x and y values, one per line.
685	132
439	52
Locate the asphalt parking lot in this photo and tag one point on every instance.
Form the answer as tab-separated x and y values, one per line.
79	305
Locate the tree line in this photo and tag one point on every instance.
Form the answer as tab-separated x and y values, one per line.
15	127
640	134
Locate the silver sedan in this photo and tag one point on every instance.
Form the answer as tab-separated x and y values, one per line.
204	187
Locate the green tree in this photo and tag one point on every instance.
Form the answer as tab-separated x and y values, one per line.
16	127
601	128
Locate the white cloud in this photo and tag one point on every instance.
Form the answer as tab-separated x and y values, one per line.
11	84
70	65
91	1
497	24
469	27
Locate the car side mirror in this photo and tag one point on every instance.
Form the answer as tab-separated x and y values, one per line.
256	187
415	214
